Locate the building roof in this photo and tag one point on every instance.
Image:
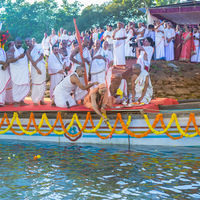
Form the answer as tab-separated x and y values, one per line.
181	13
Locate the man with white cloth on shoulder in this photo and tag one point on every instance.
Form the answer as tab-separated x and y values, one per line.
145	54
160	40
4	77
19	73
75	57
98	64
38	72
119	37
64	90
56	69
196	36
142	89
169	42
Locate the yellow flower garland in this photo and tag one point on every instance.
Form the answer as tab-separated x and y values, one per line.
94	129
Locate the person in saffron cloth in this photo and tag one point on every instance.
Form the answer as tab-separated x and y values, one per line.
63	92
142	89
178	42
98	100
187	45
119	37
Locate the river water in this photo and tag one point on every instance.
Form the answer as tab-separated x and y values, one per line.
72	171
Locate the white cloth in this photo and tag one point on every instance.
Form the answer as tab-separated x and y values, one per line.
159	43
169	47
151	34
53	39
149	50
98	68
46	45
20	76
139	87
19	92
9	97
108	39
62	92
86	55
19	70
94	37
119	48
64	37
38	80
128	48
54	66
139	36
194	57
38	91
4	78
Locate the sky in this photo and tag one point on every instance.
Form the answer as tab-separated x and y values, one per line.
84	2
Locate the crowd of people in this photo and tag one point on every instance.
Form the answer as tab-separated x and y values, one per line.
70	78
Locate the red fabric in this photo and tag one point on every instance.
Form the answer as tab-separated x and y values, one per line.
164	101
152	107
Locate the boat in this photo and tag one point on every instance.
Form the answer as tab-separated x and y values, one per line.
162	122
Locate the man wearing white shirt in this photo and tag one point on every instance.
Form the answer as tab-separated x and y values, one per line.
169	42
19	73
145	54
46	44
107	36
38	72
196	35
119	37
4	77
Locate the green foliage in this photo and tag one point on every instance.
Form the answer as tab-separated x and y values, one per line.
32	20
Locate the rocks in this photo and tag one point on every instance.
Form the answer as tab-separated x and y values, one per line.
182	84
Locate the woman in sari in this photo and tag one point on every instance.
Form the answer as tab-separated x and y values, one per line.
178	42
187	45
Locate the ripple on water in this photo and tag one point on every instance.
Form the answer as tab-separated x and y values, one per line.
71	171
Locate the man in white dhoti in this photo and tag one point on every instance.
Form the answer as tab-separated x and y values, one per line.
4	77
69	43
65	56
159	40
53	39
19	73
196	36
169	42
46	45
109	62
119	37
142	89
75	57
56	69
64	90
140	31
38	72
98	64
128	48
9	53
145	54
64	36
107	36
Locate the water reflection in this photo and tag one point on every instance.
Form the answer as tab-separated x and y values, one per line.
71	171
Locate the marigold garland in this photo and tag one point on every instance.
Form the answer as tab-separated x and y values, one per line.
75	119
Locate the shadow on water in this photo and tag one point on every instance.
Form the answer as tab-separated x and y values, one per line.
72	171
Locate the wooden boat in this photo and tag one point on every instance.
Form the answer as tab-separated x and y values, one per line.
153	124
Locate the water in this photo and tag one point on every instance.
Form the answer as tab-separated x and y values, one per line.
70	171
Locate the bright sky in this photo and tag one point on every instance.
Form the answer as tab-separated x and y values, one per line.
84	2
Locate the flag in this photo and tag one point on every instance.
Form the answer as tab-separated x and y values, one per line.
78	36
